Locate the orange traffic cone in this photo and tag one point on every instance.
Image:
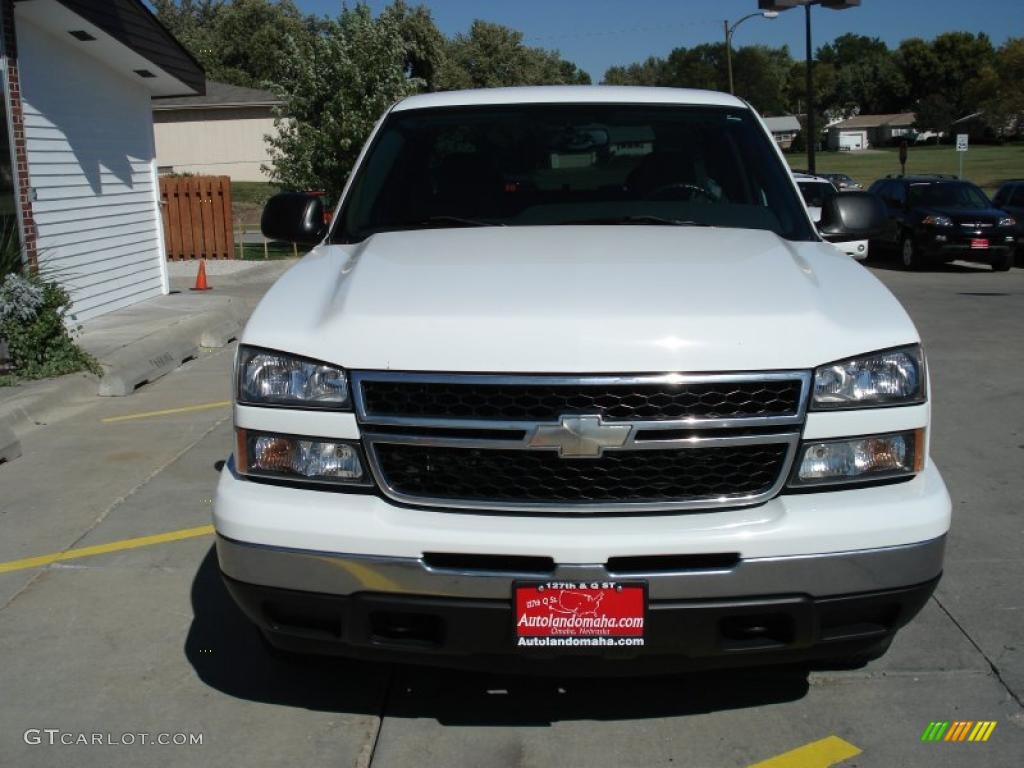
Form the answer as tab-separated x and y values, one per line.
201	278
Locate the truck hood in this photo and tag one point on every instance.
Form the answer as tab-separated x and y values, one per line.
578	299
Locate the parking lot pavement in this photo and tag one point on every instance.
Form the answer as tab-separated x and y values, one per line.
141	638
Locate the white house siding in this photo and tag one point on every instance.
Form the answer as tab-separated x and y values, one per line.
221	142
90	149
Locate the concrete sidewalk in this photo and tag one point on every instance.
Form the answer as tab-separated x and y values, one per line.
139	344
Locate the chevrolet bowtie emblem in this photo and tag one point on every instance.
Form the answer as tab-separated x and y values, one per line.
580	437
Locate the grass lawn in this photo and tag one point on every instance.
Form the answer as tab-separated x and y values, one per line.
247	199
255	252
986	166
252	191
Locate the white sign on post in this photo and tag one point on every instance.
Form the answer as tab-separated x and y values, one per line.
961	147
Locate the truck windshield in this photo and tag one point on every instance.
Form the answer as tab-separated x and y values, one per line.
540	165
948	195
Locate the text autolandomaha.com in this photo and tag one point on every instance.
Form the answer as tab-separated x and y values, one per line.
579	641
581	622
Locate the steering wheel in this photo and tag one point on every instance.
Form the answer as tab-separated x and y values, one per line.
695	190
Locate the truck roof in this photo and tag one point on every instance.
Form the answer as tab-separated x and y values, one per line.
570	94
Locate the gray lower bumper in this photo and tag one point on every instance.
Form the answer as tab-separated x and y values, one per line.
823	575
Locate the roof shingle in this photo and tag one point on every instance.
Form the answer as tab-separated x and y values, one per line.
877	121
220	95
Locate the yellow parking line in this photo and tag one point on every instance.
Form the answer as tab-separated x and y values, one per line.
818	754
100	549
168	411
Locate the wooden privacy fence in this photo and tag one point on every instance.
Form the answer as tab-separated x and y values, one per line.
197	217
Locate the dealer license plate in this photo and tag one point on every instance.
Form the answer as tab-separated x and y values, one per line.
979	243
580	614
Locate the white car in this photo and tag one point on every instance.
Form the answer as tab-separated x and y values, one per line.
531	401
816	191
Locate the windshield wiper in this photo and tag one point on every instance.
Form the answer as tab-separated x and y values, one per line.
642	218
460	221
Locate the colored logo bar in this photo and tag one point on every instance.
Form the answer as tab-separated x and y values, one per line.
958	730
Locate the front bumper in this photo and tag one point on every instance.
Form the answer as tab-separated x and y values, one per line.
825	574
776	610
491	578
679	635
948	246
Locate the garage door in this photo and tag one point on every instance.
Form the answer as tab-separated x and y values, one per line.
851	140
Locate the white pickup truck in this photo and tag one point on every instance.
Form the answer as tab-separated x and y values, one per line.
573	381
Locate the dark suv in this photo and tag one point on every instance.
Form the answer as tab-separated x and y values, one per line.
941	218
1010	198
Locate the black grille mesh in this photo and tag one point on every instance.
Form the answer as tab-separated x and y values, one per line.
546	402
618	476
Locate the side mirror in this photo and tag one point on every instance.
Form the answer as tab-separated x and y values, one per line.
294	218
852	216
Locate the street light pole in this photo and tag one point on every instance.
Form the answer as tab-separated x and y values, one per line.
785	5
728	54
729	30
811	135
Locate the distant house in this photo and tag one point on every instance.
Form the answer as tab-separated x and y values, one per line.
864	131
219	133
784	129
80	181
979	129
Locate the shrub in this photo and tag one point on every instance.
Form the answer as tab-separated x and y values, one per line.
10	247
33	321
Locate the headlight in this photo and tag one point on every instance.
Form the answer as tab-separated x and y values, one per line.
893	377
860	459
938	221
287	457
1007	221
275	378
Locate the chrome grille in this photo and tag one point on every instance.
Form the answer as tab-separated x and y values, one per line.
640	400
541	476
553	444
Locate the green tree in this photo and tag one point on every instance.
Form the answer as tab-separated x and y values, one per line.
760	76
191	22
759	72
962	56
868	77
424	44
648	72
336	86
1010	96
824	89
920	66
934	112
849	49
491	56
702	66
238	42
874	86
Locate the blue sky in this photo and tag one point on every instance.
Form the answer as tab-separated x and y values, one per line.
597	34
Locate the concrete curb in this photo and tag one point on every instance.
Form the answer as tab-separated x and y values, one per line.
127	369
35	404
10	446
